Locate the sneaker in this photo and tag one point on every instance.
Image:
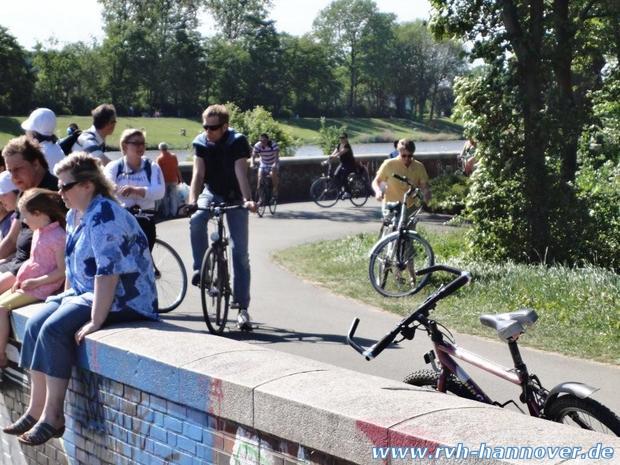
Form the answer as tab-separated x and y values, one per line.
196	278
243	320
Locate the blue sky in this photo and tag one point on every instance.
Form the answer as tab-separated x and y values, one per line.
75	20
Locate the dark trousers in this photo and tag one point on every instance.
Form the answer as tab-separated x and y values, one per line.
148	226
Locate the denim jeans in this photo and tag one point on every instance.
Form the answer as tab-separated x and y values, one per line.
238	230
49	339
170	202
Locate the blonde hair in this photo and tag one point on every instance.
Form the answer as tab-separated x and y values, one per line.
217	110
82	167
127	133
37	200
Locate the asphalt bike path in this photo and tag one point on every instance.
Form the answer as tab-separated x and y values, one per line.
295	316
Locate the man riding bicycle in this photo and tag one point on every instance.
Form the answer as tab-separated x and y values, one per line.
269	157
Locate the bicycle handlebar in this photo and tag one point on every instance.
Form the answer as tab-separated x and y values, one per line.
212	207
463	277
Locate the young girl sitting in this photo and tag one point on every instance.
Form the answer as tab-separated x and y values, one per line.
43	273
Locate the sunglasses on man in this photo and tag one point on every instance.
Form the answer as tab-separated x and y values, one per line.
212	127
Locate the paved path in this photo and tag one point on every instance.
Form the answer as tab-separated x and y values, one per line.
297	317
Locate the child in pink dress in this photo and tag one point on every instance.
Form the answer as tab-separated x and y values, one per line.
43	273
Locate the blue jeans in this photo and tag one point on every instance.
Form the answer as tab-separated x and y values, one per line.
49	339
238	229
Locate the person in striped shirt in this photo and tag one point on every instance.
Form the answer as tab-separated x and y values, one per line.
269	154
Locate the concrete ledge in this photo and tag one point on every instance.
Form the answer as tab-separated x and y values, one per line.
337	411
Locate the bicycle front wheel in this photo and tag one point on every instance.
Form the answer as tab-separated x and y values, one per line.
170	276
324	192
273	204
429	379
214	290
358	188
262	203
394	261
583	413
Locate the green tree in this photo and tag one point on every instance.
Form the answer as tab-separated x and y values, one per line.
16	77
343	24
235	18
527	110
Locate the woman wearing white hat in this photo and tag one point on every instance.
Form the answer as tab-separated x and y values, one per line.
40	126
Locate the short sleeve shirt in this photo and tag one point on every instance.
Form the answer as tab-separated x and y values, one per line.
416	173
219	159
107	241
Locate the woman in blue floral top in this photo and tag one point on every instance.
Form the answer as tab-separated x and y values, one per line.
110	279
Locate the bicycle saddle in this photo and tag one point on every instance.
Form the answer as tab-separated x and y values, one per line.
512	324
392	206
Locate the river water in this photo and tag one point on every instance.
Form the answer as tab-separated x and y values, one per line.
360	149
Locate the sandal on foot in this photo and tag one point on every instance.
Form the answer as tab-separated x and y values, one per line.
40	434
23	424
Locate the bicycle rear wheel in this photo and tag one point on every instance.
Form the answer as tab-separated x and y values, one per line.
583	413
359	192
394	261
214	290
324	192
170	276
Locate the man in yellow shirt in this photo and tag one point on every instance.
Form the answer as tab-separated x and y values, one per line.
389	189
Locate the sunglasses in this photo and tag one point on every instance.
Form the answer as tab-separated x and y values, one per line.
67	187
212	127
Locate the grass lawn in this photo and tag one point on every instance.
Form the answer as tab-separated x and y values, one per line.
578	309
360	130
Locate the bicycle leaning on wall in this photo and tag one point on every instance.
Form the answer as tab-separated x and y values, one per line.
568	403
400	250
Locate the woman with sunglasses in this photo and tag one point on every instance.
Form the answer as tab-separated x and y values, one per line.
109	279
389	189
344	153
139	183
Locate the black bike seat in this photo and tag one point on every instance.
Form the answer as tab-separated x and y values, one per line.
512	324
392	206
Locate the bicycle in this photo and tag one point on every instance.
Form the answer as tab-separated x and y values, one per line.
400	250
170	274
215	290
264	195
565	403
327	190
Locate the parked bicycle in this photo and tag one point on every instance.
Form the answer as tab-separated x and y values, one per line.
215	272
400	250
568	403
327	190
170	274
264	195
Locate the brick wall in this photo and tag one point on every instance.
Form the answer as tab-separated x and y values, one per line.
112	423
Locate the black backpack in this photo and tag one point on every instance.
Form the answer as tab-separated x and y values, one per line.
66	143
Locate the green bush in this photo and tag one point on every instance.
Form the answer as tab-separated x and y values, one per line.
328	136
449	192
254	122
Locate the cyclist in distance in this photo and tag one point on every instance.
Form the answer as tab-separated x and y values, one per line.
389	189
220	175
347	161
139	182
269	156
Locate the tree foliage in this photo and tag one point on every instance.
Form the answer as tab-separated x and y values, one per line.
16	77
527	109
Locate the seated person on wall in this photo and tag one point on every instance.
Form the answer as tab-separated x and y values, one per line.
8	203
139	183
28	168
389	189
109	279
44	272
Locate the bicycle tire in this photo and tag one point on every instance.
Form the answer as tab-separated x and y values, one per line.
358	188
273	205
571	410
429	378
170	276
214	290
397	256
324	192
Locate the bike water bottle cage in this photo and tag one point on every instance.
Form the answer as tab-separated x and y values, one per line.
510	325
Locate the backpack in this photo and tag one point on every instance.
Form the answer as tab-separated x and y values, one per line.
147	169
66	143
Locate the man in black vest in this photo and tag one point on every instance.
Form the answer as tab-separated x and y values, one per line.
220	175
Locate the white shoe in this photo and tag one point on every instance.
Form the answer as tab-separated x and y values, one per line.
243	320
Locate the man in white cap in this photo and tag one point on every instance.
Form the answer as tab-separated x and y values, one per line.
40	126
8	202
